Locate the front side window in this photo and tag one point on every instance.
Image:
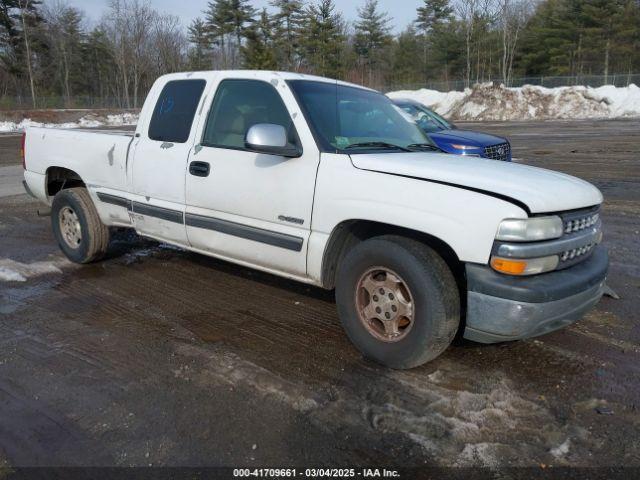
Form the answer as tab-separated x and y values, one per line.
175	109
348	119
239	105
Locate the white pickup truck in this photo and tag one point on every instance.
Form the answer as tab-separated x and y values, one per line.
330	184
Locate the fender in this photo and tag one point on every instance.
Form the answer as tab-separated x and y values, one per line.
464	219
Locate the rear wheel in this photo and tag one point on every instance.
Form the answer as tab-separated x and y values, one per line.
77	227
398	301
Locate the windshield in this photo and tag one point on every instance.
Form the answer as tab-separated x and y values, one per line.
426	119
353	119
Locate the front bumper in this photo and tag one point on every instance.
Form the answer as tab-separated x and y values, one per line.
503	308
27	189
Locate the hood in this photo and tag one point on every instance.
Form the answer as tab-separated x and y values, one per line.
541	190
467	137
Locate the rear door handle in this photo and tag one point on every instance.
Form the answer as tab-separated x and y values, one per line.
199	169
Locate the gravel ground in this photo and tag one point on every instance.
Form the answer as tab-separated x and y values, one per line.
162	357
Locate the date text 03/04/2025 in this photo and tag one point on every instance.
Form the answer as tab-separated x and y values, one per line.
315	473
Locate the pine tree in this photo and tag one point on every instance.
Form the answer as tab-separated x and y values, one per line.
579	37
9	37
258	51
65	36
288	22
447	55
432	16
22	42
324	42
200	54
405	50
226	22
554	42
98	66
602	22
372	37
218	27
627	38
241	16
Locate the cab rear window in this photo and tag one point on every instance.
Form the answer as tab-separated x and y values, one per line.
174	112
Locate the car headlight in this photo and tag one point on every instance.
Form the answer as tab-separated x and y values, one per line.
530	229
465	147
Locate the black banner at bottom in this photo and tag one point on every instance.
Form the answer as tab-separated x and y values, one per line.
280	473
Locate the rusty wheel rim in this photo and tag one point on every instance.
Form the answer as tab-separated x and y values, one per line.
70	227
385	304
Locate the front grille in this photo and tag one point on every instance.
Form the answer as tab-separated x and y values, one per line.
576	253
501	151
575	223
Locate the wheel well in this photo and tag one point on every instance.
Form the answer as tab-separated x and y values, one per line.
59	178
351	232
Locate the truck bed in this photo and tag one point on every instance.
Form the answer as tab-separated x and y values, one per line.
98	157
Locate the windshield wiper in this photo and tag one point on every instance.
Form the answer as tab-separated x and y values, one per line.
426	146
377	145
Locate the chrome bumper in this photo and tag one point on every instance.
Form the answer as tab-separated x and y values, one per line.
528	307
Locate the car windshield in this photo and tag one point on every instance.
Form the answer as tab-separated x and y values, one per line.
353	120
426	119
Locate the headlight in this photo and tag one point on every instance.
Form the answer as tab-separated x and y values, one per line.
530	229
529	266
465	147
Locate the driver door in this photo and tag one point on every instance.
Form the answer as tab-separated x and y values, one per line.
249	207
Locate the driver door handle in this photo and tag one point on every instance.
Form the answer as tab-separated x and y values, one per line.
199	169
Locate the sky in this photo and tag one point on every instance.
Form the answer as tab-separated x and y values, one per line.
402	12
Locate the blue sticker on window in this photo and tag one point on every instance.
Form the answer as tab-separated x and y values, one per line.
167	105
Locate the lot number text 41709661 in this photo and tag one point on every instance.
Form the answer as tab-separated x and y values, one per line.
315	473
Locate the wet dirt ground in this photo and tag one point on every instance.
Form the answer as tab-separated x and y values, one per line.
161	357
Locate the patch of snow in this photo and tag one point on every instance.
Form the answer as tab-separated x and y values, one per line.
88	121
122	119
489	101
428	444
479	454
562	449
9	275
13	271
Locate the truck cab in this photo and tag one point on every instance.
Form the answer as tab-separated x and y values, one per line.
330	184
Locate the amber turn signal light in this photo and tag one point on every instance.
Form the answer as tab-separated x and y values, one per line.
508	266
528	266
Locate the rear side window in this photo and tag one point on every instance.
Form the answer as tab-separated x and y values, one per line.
173	115
239	105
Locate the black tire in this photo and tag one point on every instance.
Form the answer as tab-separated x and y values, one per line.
434	292
94	241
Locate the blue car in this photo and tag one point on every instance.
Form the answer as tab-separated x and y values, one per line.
452	140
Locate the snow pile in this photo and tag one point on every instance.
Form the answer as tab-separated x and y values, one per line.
88	121
490	101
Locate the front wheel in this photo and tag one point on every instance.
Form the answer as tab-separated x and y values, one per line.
398	301
77	227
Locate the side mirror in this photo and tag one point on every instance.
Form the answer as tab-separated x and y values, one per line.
270	139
